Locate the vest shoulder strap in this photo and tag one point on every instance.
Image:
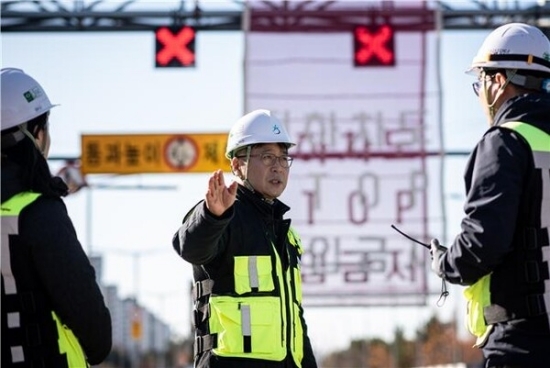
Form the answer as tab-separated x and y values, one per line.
14	205
538	139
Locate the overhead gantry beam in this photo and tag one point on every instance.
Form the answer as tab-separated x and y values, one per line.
108	16
136	15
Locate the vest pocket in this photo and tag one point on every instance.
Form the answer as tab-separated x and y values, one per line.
247	327
253	274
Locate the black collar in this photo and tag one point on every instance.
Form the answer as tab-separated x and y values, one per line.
276	209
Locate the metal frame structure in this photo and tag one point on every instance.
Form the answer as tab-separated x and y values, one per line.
137	15
26	16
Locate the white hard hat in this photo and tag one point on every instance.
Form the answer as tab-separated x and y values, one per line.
258	126
513	46
23	99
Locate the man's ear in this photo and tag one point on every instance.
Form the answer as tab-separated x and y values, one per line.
500	78
236	167
39	133
36	131
234	163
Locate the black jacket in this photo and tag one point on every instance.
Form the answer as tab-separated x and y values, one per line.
53	272
210	243
503	206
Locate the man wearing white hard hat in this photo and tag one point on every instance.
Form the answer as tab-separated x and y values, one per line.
503	251
53	312
246	257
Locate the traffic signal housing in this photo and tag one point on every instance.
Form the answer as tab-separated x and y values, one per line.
175	47
373	46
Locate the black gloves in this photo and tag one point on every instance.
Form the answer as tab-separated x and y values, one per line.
437	251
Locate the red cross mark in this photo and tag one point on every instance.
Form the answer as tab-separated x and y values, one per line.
175	48
374	48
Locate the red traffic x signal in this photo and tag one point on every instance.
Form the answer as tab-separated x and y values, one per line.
373	46
175	47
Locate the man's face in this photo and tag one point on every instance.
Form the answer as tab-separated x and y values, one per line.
264	170
489	91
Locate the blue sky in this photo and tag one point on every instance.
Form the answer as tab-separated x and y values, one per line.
107	83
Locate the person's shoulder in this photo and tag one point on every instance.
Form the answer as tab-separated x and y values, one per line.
509	135
500	134
45	209
46	221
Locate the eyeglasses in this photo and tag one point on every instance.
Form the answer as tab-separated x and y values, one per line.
477	84
269	159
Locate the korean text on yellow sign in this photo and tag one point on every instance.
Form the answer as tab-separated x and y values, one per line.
153	153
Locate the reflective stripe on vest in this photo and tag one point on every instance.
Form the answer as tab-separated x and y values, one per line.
539	141
67	341
10	226
256	326
478	294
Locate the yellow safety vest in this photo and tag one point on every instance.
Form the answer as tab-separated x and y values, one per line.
256	326
478	295
67	341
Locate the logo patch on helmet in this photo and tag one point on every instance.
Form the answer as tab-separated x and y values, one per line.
276	129
33	94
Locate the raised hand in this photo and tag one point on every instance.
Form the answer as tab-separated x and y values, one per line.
219	197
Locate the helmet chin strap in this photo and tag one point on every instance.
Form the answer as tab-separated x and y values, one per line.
24	130
491	105
244	177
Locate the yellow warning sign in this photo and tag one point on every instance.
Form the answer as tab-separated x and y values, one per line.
153	153
137	330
